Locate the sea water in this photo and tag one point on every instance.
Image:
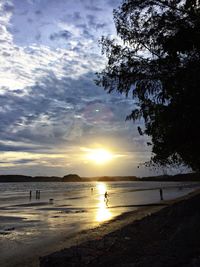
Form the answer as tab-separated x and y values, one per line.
85	197
71	207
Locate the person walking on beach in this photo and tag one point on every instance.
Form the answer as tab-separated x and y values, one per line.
161	194
106	198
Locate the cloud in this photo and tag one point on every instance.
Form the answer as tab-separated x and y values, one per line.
49	104
59	110
73	48
62	34
94	8
8	7
38	12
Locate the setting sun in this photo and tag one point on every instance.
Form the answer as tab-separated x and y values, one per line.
99	156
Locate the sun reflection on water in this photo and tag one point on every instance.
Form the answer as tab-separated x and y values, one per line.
103	212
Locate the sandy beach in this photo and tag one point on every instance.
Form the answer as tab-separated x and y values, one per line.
30	257
31	229
162	236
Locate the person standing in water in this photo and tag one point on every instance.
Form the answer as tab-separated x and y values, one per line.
161	194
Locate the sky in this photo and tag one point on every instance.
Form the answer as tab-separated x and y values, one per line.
52	115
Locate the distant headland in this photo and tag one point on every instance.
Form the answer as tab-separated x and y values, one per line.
77	178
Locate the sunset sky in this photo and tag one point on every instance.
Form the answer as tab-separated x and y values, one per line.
53	118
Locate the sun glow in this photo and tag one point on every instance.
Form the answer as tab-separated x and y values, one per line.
99	156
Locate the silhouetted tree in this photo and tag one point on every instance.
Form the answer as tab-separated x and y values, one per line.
157	60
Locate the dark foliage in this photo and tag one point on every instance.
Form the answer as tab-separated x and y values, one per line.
158	62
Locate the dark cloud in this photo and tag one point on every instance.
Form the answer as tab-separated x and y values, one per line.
62	34
18	162
93	22
22	161
38	12
94	8
75	16
18	91
6	54
56	109
8	7
82	26
87	34
21	148
101	25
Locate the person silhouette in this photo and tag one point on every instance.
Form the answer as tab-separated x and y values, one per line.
106	198
161	194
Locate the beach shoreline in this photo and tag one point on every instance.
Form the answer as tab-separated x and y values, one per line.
158	236
30	257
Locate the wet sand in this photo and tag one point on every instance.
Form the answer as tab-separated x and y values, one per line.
154	236
30	229
24	256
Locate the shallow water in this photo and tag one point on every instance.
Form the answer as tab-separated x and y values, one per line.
73	207
79	201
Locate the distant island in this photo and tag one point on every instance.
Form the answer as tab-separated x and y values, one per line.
72	178
77	178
